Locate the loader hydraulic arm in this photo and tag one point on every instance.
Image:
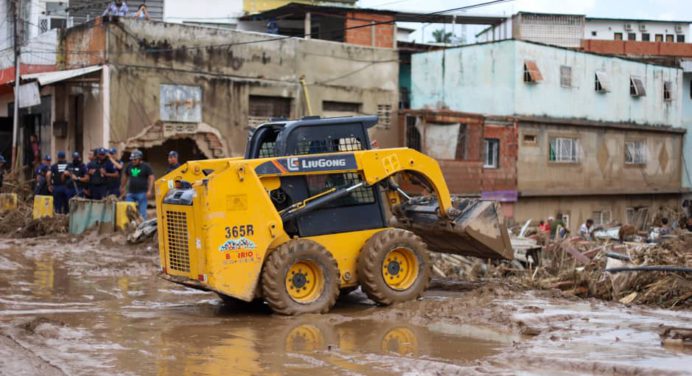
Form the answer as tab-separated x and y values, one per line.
375	166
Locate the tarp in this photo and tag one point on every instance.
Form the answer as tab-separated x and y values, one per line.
57	76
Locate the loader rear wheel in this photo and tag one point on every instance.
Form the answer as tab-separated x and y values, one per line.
394	266
300	276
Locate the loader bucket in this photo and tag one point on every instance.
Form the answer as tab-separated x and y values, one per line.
476	229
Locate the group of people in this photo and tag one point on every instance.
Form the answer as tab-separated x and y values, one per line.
104	174
119	8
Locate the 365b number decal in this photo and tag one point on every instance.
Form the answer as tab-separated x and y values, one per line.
237	231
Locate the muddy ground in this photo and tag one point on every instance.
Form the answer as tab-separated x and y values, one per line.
86	306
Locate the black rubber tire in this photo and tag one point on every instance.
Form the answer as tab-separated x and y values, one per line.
276	268
370	263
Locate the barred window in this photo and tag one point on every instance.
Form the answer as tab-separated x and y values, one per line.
384	113
635	152
564	150
413	139
491	152
668	91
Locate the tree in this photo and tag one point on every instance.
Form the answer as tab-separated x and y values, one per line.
440	36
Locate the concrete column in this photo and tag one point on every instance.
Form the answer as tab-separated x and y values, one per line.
106	104
308	25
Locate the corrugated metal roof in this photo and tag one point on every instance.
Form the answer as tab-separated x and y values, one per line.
57	76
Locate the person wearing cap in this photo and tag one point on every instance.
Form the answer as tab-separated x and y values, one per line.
138	182
2	169
172	161
56	178
99	171
40	175
114	183
77	169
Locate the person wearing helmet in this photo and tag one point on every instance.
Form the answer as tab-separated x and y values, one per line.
114	183
41	187
2	169
57	177
99	171
138	182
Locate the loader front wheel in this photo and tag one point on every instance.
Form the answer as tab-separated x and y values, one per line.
394	266
300	276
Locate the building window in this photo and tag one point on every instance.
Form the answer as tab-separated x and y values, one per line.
384	113
668	91
637	87
601	82
594	33
491	152
531	72
632	36
262	109
565	76
646	37
669	38
341	107
635	152
681	38
563	149
413	139
530	139
617	36
659	38
601	217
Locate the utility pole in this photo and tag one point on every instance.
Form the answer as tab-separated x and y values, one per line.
15	119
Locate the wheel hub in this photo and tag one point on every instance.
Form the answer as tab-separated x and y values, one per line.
304	281
400	269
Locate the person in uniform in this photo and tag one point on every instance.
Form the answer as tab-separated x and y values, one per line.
40	175
56	178
78	176
99	171
172	161
114	183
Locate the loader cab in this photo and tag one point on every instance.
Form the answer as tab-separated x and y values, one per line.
361	210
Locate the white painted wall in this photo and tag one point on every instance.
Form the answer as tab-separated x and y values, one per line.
203	11
606	29
488	79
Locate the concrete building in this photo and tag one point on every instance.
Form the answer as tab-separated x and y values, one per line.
596	136
159	86
568	30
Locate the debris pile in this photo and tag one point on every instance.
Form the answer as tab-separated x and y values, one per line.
639	273
20	223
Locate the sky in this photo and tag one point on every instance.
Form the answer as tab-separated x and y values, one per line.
646	9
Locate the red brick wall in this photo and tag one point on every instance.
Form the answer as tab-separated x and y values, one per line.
384	33
622	47
468	176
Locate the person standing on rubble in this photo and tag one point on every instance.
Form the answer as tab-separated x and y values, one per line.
172	161
586	230
137	182
56	178
99	171
41	172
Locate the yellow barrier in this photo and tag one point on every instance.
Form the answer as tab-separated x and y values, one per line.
121	219
43	206
8	201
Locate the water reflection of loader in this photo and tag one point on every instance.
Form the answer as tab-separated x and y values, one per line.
250	348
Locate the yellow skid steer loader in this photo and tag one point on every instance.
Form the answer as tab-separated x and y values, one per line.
311	210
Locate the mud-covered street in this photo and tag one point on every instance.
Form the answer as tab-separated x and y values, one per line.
85	306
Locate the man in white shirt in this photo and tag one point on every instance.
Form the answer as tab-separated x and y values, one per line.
586	230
